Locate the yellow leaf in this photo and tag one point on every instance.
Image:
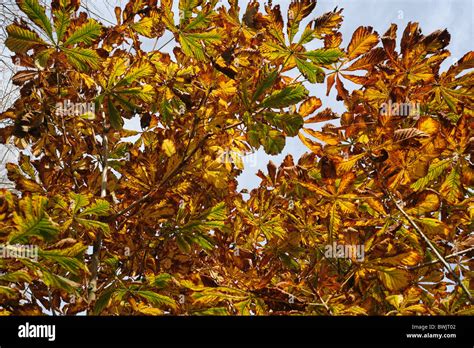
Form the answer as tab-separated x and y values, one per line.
310	144
168	147
428	204
393	278
363	40
329	139
395	300
428	125
309	106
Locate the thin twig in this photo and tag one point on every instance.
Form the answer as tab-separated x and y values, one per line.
433	262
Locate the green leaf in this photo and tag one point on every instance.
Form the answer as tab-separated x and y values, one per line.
37	14
290	123
103	300
311	72
6	291
160	280
16	277
99	208
451	188
437	167
155	299
59	282
78	201
33	221
274	142
289	262
93	224
191	43
297	11
265	84
86	33
114	116
144	26
288	96
166	111
145	92
82	58
213	311
20	40
63	258
199	22
324	56
43	57
136	73
61	23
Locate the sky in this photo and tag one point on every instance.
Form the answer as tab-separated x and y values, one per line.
455	15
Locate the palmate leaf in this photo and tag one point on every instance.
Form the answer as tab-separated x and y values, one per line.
213	311
272	228
67	258
16	277
324	56
103	300
273	142
310	71
393	278
82	58
309	106
33	221
86	33
286	97
297	11
137	72
335	222
289	123
198	22
436	169
451	188
144	26
36	13
327	23
408	133
363	40
368	61
192	46
61	23
93	224
79	201
58	282
7	292
20	39
264	84
115	119
155	298
145	93
210	296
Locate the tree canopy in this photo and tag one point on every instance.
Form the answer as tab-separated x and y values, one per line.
150	221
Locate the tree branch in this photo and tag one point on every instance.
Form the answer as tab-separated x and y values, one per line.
430	245
433	262
95	258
